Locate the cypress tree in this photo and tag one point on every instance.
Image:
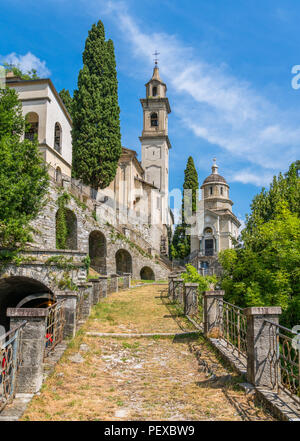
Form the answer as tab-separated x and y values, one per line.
67	99
96	124
181	241
190	182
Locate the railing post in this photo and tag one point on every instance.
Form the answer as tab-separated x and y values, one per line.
191	299
178	290
30	376
113	283
86	289
96	290
103	286
126	282
70	298
171	277
262	366
213	313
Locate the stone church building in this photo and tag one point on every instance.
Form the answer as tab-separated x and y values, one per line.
215	224
137	198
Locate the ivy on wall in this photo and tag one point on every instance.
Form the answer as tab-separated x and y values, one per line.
61	221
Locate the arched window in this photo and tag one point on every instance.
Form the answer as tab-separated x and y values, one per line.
154	91
57	137
32	126
154	120
210	190
221	190
208	231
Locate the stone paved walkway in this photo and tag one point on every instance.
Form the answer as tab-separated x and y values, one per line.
147	378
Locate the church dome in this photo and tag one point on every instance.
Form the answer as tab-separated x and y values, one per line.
214	176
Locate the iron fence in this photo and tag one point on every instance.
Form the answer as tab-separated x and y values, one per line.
233	325
10	360
55	326
284	359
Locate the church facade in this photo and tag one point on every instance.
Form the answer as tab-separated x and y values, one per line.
215	226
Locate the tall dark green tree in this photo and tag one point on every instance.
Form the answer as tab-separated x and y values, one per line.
67	99
96	123
181	244
23	174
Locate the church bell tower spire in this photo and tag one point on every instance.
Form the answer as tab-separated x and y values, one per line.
155	141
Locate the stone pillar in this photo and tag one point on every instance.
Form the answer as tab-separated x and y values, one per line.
87	292
114	282
103	286
262	369
213	313
96	290
171	277
127	278
30	376
191	299
178	286
70	298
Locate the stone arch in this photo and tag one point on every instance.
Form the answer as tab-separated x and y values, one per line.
98	251
147	273
32	127
123	262
14	288
71	223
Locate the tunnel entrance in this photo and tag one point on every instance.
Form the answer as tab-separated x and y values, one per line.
22	292
147	273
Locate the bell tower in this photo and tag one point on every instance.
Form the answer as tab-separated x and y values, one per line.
155	141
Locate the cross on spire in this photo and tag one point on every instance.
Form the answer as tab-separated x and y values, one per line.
156	57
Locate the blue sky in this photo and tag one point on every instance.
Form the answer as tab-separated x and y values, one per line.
227	65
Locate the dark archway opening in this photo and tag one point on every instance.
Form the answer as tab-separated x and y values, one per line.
97	251
147	273
123	262
22	292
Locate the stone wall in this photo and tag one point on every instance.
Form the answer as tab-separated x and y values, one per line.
45	236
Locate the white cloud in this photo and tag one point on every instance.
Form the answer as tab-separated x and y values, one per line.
248	177
215	104
26	63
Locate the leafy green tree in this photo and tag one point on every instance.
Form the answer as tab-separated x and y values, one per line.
96	124
67	99
23	175
265	269
30	75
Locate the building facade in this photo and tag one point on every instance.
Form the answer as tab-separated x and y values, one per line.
215	225
137	198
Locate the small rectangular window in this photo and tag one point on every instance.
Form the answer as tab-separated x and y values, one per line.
210	190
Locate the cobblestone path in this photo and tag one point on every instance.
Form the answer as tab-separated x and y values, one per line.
153	378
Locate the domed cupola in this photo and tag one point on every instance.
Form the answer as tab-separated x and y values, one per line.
215	190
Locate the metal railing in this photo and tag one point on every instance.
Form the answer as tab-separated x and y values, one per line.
284	358
55	326
10	359
233	324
